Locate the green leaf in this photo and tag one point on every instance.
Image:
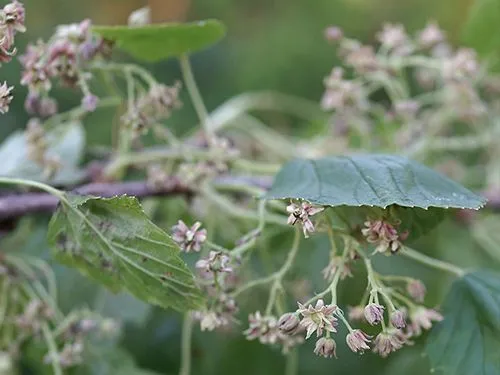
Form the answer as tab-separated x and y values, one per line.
370	180
113	242
157	42
467	340
66	142
482	29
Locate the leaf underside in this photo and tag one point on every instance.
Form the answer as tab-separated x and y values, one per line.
112	241
157	42
467	341
369	180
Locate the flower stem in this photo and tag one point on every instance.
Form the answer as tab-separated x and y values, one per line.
292	362
432	262
186	340
38	185
51	344
194	93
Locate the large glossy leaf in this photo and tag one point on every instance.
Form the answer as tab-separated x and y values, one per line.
468	340
114	242
66	142
370	180
160	41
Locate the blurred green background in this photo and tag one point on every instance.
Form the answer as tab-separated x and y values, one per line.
274	45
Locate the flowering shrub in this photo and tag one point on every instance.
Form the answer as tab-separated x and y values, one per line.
400	102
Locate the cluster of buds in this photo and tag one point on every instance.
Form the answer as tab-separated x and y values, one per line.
193	174
284	332
404	323
452	78
220	315
37	148
65	57
216	276
384	235
35	314
301	214
151	108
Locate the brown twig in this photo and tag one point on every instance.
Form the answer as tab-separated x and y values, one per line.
16	204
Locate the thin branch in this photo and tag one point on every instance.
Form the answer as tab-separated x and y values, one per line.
14	205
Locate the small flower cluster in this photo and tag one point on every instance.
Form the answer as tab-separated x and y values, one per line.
271	331
151	108
73	339
320	319
383	234
35	314
301	214
216	276
12	18
428	83
37	148
397	332
65	57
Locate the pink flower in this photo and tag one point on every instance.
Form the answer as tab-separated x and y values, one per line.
289	323
387	342
301	214
217	261
357	340
326	347
422	318
318	318
263	328
416	289
384	235
14	16
430	36
189	238
356	313
337	264
398	319
89	102
374	313
5	97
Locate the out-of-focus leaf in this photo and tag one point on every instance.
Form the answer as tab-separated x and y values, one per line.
113	242
66	143
370	180
485	231
123	306
467	340
109	359
482	29
160	41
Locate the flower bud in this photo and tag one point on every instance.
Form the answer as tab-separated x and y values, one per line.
374	313
288	323
416	289
398	319
326	347
333	34
89	102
